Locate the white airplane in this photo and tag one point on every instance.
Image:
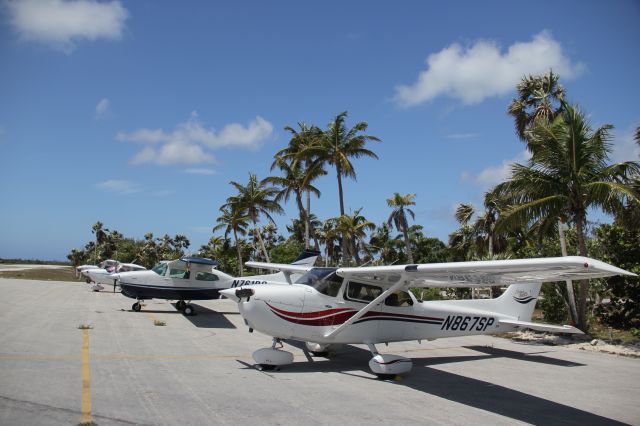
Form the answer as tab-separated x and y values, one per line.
100	277
193	278
372	305
105	264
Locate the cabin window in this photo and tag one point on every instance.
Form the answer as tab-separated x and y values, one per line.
206	276
360	292
160	269
324	280
399	299
179	273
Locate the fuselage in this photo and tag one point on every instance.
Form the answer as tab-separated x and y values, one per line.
301	312
174	280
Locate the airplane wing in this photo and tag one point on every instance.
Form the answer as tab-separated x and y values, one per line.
282	267
484	273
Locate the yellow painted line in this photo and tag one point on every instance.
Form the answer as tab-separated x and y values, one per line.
85	407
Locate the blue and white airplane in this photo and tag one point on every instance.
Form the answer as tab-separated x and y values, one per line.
193	278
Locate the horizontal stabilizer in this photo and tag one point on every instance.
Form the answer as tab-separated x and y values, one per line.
542	327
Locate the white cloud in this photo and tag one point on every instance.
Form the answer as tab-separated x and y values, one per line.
200	171
102	107
121	187
482	70
173	153
189	142
58	23
493	175
625	147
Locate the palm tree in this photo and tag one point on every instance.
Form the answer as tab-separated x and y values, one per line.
382	243
398	217
567	174
256	199
296	180
337	145
353	229
233	220
539	98
300	140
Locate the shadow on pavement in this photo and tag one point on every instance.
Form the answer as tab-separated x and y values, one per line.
208	318
353	361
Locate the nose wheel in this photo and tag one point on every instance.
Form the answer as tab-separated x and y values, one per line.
136	307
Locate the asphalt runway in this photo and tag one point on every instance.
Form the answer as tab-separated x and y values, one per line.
198	371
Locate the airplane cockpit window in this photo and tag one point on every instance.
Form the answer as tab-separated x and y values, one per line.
160	269
206	276
360	292
324	280
399	299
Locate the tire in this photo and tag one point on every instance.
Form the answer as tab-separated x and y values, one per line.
188	310
136	307
180	304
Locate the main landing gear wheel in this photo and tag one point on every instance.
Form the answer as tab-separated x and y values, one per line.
318	350
136	307
388	366
180	305
188	310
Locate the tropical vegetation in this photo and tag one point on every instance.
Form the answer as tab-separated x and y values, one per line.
542	209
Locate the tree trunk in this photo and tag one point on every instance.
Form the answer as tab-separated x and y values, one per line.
407	244
344	242
571	299
257	233
235	237
303	219
584	284
306	222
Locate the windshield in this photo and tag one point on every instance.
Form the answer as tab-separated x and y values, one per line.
160	269
325	280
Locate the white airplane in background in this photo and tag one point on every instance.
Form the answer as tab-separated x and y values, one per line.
105	264
195	278
100	277
372	305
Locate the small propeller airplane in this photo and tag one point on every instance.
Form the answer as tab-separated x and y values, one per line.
192	278
107	277
373	305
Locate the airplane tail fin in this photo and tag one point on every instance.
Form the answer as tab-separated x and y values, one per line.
519	300
307	257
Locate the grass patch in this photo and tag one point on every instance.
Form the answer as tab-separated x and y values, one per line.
159	323
42	274
85	327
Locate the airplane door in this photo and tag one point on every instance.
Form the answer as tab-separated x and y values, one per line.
398	317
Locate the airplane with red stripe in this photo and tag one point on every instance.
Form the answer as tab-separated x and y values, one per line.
325	307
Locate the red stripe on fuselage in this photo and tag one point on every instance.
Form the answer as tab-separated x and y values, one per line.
315	314
339	316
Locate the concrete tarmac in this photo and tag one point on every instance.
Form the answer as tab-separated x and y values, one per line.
198	371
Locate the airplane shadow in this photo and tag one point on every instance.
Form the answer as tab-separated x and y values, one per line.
464	390
208	318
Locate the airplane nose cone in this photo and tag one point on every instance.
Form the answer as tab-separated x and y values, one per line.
230	293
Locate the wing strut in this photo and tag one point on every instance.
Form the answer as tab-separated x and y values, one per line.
398	284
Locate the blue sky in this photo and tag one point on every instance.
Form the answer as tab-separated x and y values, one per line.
139	113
